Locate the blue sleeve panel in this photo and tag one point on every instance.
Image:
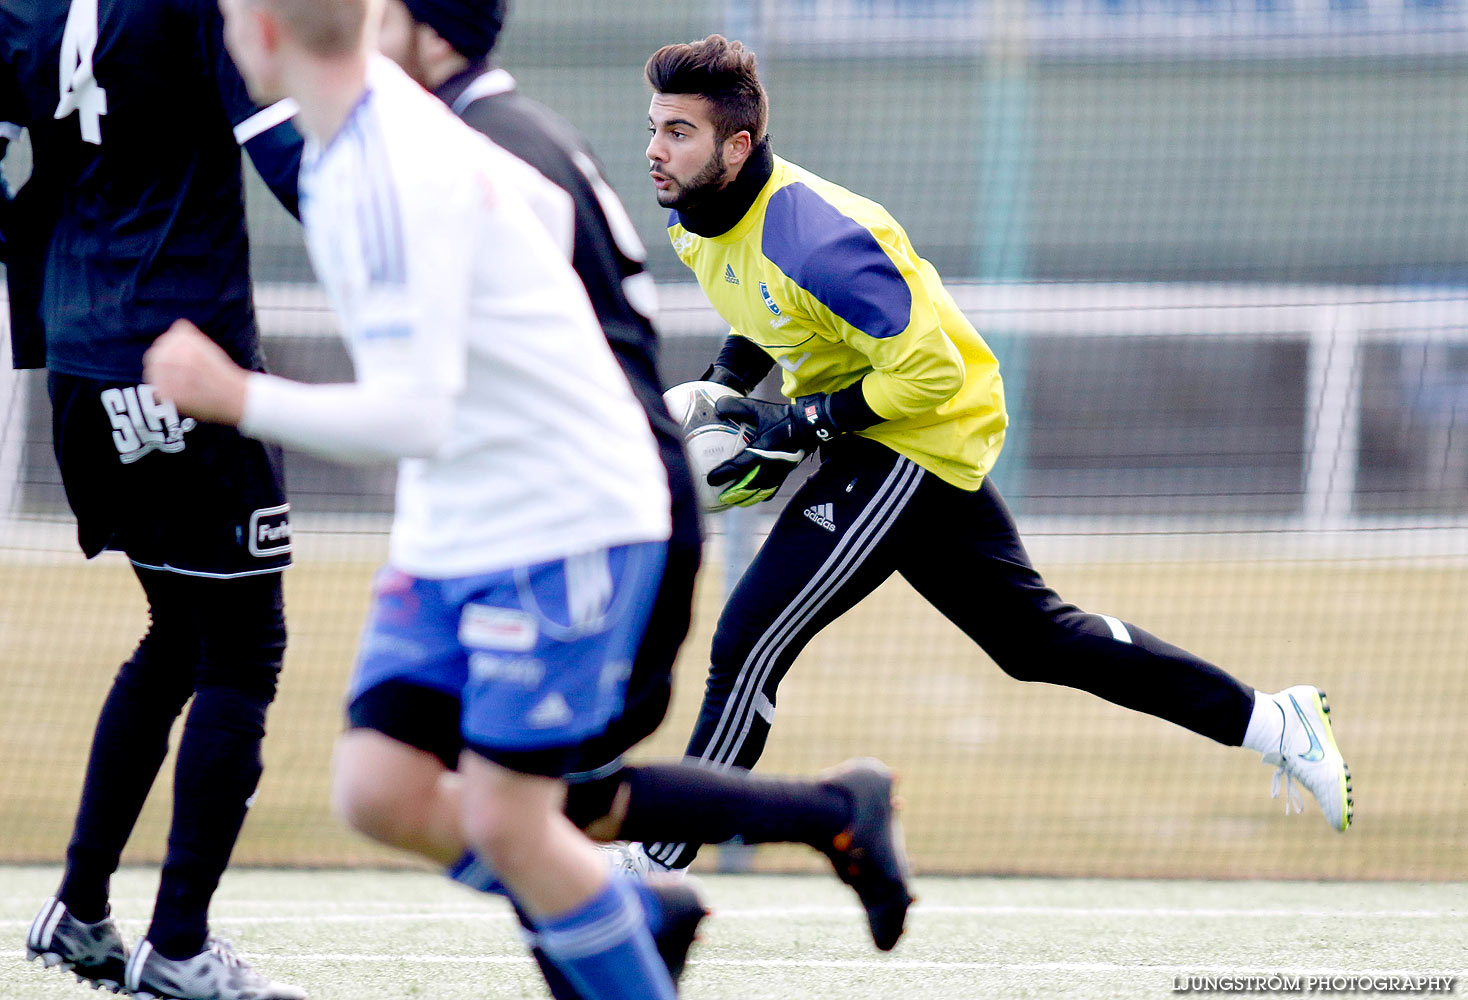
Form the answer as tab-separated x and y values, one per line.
837	260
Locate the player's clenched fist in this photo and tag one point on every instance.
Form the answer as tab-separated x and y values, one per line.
190	370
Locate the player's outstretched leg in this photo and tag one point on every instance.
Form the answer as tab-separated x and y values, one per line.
869	854
846	814
1291	728
94	952
216	973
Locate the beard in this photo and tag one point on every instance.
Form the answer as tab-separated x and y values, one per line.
708	181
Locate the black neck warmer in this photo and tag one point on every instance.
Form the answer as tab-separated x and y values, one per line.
721	210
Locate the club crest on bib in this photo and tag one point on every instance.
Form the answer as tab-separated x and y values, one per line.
770	303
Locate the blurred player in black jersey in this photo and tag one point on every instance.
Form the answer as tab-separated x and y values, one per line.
134	218
413	732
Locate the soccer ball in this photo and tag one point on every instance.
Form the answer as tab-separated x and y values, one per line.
708	438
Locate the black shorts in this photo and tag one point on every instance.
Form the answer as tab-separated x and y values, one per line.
428	719
193	498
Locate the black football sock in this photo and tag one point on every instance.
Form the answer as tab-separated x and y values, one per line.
128	748
699	805
218	769
217	772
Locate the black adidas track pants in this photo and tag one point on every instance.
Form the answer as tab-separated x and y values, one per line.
867	512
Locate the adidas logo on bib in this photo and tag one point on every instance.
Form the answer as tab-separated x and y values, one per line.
823	514
552	711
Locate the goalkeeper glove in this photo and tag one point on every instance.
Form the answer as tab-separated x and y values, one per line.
784	434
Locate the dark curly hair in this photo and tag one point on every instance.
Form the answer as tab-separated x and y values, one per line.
723	73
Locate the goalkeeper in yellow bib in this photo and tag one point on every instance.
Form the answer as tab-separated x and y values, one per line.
903	400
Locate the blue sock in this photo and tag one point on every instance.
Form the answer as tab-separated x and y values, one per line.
605	949
560	986
475	873
651	905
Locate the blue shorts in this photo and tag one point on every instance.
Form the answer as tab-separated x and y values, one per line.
538	655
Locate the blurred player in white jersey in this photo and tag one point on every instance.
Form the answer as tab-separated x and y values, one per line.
846	813
532	511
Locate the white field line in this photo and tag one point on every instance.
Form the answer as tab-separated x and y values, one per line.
898	964
223	918
860	964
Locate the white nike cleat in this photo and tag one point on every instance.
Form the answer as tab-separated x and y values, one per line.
627	857
1308	754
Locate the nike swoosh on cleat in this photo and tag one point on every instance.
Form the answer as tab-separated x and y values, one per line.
1316	752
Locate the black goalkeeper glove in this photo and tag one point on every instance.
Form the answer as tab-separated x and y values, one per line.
784	434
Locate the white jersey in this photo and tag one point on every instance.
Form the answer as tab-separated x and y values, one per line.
433	245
